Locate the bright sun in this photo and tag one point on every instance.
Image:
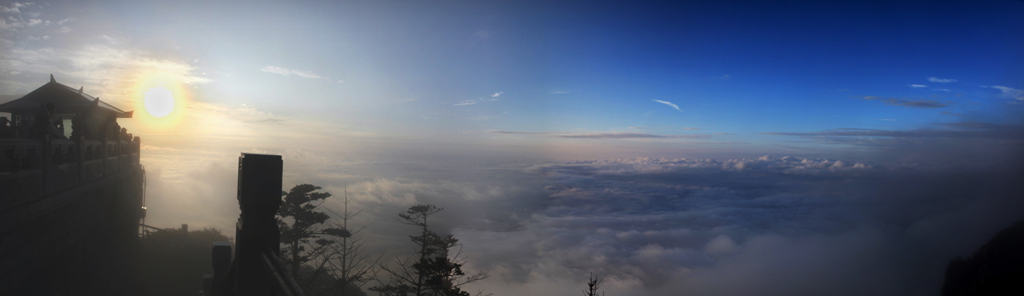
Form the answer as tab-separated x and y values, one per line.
159	101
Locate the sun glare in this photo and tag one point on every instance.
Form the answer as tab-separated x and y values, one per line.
159	101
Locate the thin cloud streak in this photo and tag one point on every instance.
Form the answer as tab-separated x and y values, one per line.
630	136
668	103
289	72
603	135
277	70
907	103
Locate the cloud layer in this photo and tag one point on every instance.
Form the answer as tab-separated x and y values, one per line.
778	225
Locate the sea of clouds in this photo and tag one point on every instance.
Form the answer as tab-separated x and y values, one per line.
650	226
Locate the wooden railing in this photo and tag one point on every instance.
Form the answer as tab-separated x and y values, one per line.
36	168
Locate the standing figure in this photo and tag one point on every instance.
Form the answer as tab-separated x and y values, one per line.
77	127
43	124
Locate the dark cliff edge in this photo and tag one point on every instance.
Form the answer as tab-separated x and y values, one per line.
997	268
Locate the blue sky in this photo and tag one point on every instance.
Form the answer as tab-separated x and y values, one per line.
814	132
727	67
731	67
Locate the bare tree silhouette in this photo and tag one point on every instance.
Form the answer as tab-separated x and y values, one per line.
350	264
592	285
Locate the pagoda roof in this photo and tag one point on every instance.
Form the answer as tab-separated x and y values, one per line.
67	100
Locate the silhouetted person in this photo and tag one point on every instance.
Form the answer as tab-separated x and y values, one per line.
6	131
112	130
43	115
77	127
125	136
24	127
43	125
94	122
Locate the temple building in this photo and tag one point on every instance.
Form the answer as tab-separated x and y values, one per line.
70	209
69	103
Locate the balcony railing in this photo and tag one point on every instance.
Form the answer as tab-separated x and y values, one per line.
36	168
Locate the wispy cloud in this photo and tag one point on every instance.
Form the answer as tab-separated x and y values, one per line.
524	133
907	103
917	85
1011	92
635	127
940	80
691	128
602	135
289	72
628	136
247	113
277	70
915	104
15	7
951	113
306	74
668	103
559	92
491	98
107	71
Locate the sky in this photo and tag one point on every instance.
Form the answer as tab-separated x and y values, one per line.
672	148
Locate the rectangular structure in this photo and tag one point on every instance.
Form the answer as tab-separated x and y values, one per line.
259	197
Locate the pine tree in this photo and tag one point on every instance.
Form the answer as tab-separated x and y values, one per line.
434	270
304	239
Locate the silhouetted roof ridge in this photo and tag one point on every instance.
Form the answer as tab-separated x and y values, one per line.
66	98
